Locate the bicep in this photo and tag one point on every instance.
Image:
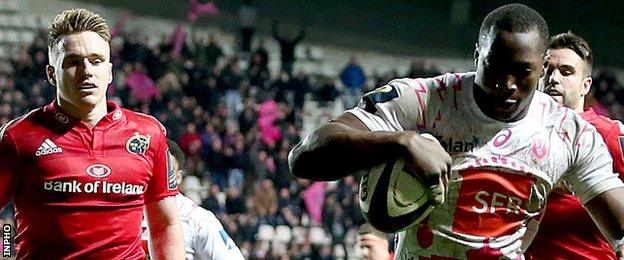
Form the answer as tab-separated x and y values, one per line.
161	213
352	121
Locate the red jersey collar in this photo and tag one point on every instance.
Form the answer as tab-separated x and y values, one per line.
589	113
62	119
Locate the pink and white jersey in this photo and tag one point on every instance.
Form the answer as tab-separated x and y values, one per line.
501	172
204	236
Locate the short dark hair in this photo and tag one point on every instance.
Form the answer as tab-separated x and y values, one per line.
517	18
177	153
575	43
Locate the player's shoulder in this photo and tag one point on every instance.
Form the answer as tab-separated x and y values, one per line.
144	121
568	123
604	123
23	124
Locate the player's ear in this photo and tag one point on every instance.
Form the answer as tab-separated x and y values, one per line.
475	55
51	75
110	73
586	87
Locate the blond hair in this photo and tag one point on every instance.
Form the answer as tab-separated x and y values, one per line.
74	21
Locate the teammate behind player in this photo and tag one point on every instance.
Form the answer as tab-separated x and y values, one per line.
567	231
204	236
81	169
503	145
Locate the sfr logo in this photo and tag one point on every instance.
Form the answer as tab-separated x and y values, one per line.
492	203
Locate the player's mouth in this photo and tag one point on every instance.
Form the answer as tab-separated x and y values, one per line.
87	86
506	104
553	93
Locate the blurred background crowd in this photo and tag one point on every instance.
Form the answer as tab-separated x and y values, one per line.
236	118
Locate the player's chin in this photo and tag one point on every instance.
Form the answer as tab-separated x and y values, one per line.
91	100
558	99
508	111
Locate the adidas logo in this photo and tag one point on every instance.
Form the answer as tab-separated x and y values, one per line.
48	147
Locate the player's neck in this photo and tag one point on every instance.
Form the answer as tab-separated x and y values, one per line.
580	107
91	115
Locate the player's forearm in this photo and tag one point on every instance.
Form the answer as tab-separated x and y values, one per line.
607	210
336	150
167	243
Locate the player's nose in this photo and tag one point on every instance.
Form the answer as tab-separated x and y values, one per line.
87	68
554	77
507	85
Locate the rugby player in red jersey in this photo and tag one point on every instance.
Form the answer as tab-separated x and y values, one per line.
80	170
567	231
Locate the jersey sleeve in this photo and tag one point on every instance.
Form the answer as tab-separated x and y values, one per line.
9	164
615	143
212	241
591	172
401	105
163	182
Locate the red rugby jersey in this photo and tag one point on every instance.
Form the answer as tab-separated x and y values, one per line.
79	192
567	231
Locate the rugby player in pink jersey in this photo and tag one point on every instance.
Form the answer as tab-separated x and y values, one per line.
80	170
502	145
567	231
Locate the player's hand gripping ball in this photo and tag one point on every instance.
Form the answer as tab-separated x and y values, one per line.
393	198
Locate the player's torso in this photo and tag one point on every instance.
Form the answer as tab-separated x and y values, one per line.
84	167
501	175
83	186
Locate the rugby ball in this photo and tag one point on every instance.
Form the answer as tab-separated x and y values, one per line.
393	199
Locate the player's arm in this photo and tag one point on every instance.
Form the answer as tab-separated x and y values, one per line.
9	161
598	187
346	144
211	241
165	230
615	143
607	210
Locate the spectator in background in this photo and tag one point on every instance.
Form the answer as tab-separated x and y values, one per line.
211	202
258	72
217	165
300	86
247	22
288	208
263	203
234	203
213	51
287	47
190	141
374	243
353	78
262	53
229	82
142	87
328	91
422	69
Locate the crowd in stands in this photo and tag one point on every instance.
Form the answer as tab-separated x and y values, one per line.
236	121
